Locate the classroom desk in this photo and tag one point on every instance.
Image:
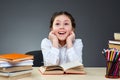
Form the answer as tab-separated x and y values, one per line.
93	73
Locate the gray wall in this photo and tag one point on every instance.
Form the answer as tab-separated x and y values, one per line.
24	23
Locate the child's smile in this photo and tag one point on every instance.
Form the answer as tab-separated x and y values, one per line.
61	33
62	27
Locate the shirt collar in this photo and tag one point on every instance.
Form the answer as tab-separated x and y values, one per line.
62	46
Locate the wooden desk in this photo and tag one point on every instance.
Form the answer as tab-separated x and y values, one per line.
93	73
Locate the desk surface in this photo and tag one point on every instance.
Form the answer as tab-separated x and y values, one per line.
93	73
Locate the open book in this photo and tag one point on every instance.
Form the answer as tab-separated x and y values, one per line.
67	68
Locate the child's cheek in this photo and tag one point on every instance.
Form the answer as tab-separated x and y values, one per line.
55	33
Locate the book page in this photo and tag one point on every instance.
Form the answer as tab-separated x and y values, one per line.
76	70
70	65
56	67
51	70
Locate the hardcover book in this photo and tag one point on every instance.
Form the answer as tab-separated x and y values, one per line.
20	63
16	73
114	42
114	46
15	68
15	57
67	68
15	77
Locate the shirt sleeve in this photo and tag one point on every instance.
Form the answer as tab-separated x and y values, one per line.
50	53
75	53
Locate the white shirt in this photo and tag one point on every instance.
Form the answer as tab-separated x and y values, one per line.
57	56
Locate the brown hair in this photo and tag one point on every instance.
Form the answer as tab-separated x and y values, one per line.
62	13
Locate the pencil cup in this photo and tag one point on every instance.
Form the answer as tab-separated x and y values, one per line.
112	69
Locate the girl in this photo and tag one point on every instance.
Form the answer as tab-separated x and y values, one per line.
61	46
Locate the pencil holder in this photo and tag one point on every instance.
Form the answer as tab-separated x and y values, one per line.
112	69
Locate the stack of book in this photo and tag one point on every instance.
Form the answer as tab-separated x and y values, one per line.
116	42
14	66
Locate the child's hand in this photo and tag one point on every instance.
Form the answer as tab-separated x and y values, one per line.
53	39
70	39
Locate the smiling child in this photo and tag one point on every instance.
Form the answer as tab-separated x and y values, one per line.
61	46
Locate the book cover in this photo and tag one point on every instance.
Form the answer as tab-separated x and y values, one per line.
67	68
15	57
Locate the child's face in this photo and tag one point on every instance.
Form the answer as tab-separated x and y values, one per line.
62	27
